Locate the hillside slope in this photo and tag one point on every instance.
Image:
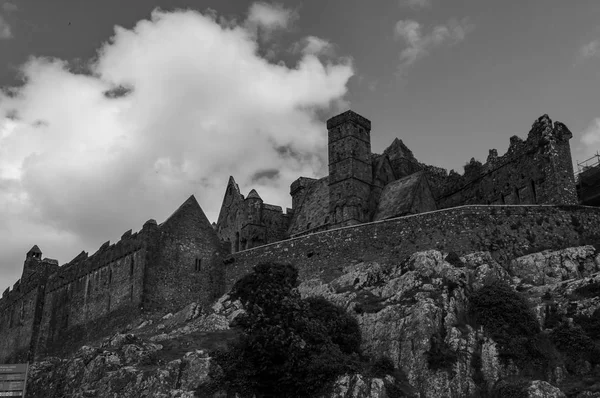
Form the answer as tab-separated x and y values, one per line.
453	327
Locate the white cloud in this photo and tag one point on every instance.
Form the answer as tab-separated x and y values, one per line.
417	3
419	45
78	168
590	137
268	17
9	7
5	30
312	45
589	50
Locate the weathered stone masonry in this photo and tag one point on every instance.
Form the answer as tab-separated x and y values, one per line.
160	268
362	186
356	213
506	231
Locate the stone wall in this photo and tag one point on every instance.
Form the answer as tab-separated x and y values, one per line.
88	289
313	210
181	271
249	222
506	231
537	170
16	325
20	312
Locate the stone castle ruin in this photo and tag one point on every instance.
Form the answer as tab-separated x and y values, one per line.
387	204
363	186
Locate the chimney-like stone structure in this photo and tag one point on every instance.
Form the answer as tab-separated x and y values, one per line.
350	171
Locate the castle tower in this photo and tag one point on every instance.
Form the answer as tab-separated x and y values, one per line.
253	231
350	171
32	261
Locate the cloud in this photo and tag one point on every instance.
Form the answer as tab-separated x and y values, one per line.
312	45
268	18
589	50
590	137
5	30
417	3
9	7
170	107
418	45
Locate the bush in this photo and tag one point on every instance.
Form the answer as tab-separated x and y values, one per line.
511	389
590	324
454	259
288	347
340	326
440	355
588	291
575	345
381	367
507	318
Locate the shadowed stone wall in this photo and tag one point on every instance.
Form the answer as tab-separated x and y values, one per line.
506	231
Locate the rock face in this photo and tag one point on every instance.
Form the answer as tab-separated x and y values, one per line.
416	312
418	309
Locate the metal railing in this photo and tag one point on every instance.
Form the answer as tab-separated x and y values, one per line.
587	164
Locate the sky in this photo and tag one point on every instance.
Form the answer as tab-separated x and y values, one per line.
112	112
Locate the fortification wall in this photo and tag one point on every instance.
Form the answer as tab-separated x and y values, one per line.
537	170
90	296
20	312
506	231
16	325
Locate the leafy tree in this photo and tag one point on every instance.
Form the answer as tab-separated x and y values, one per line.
289	347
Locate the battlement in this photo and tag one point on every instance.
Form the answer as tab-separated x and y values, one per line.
82	264
20	288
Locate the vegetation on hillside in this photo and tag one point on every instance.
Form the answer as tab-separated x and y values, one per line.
506	317
289	346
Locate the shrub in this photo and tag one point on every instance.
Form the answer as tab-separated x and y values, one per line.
575	344
506	316
440	355
340	326
588	291
454	259
511	389
590	324
552	317
381	367
288	347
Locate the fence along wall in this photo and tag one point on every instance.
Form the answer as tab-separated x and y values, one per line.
505	231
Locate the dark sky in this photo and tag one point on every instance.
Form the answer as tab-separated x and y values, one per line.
219	88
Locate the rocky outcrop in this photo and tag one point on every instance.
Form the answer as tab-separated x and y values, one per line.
414	311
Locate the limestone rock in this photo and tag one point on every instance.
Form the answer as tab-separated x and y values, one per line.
413	311
543	389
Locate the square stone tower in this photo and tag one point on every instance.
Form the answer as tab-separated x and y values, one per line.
350	171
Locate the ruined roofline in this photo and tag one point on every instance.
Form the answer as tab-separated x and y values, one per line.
448	209
542	133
